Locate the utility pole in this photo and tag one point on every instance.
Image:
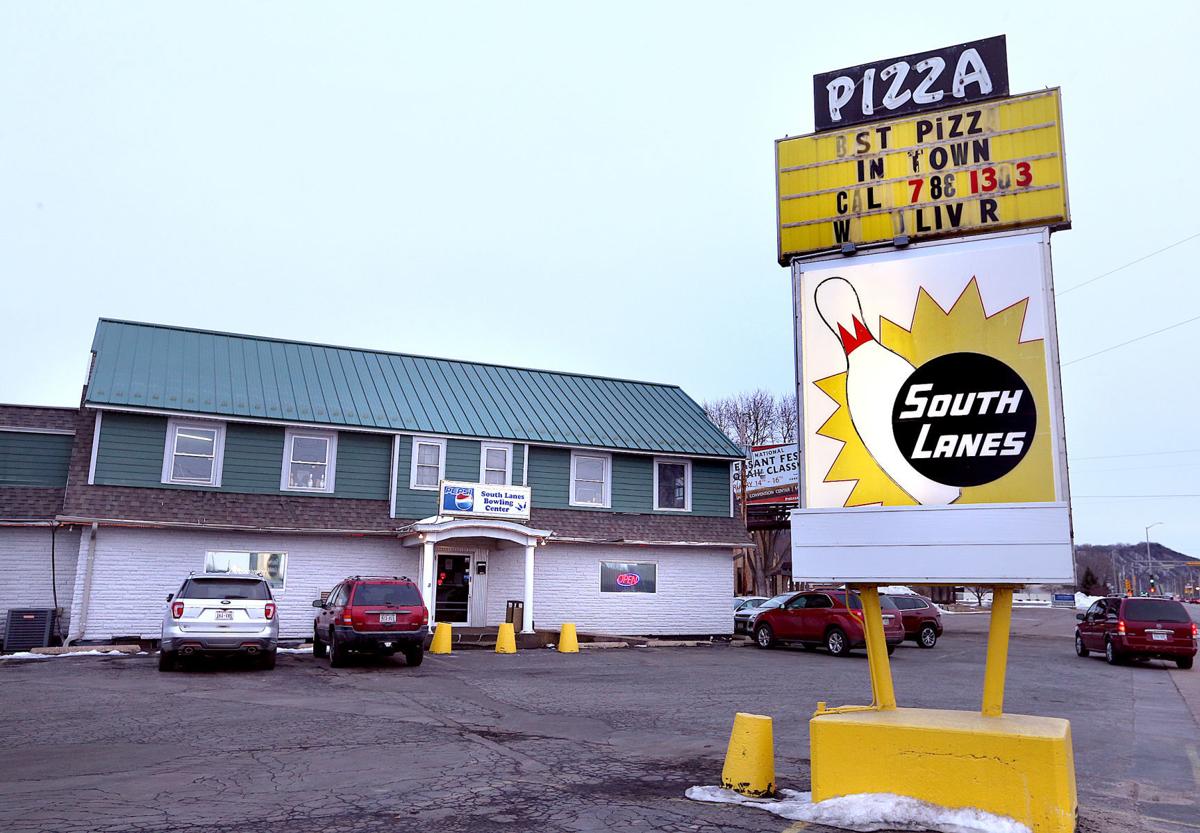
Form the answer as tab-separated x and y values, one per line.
1148	560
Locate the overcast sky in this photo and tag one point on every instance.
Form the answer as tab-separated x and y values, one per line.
554	185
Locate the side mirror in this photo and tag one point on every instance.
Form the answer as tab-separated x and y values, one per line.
317	603
1080	616
170	596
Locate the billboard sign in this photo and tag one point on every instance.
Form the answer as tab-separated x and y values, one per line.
930	80
984	167
479	500
928	378
774	475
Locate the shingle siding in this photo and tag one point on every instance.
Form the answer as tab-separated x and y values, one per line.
25	571
135	569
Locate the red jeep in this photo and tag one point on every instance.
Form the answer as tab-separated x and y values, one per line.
380	615
832	618
1137	628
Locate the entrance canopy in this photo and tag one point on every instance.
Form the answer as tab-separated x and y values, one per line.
432	531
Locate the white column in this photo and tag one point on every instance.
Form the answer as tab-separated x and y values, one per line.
427	587
527	625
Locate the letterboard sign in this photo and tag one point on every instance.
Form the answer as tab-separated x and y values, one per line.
977	168
945	77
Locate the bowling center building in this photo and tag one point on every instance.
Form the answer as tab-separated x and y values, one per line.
507	493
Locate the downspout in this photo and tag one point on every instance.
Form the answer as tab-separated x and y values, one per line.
54	582
79	623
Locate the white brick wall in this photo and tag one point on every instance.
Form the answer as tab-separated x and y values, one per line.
25	569
695	589
135	569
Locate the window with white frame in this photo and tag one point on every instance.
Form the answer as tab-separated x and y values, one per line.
672	484
270	565
591	479
428	462
309	460
193	453
495	464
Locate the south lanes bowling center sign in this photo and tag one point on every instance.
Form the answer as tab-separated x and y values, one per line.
928	373
985	161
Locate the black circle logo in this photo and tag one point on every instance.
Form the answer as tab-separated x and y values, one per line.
964	419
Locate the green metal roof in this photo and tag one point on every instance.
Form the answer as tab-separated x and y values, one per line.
223	374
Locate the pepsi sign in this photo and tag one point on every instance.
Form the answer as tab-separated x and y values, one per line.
484	500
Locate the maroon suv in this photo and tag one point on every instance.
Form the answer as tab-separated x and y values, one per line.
1137	628
380	615
922	619
832	618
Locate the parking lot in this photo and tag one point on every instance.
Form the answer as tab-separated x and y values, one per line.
604	740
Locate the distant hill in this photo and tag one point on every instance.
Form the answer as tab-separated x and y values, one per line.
1129	561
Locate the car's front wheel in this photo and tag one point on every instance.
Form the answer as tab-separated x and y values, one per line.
1080	648
1184	663
1110	653
836	643
928	637
167	661
764	637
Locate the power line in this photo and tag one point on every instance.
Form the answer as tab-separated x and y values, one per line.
1127	265
1140	454
1132	340
1125	497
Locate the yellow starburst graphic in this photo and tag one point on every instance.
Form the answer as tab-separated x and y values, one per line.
964	328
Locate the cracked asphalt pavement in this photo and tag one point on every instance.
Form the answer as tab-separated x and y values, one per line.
604	740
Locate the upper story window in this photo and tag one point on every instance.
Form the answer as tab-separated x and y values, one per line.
591	479
309	460
428	463
495	464
672	484
194	451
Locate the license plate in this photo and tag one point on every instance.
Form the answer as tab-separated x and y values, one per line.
387	618
1161	637
224	615
887	620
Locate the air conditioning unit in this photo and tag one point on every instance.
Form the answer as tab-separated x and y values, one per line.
28	629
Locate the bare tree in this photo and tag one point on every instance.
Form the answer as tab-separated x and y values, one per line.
749	419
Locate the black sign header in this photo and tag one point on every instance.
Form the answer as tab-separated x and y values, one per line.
931	80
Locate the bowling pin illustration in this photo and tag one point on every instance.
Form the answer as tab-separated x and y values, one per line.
874	375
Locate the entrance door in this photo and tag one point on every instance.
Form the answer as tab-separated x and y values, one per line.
453	586
479	571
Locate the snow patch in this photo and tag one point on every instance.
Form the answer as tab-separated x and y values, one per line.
867	812
303	649
31	655
898	590
1084	601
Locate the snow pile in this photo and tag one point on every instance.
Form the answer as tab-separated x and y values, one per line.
1084	601
303	649
867	812
898	590
31	655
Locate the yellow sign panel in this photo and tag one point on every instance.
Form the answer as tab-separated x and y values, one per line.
984	167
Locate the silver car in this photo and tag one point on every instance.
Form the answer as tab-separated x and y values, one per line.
220	613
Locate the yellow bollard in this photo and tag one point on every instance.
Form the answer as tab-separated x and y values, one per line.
750	759
568	640
506	640
441	639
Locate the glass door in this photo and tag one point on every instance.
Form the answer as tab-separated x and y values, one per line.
453	586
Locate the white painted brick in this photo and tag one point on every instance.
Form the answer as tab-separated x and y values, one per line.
695	589
25	569
135	569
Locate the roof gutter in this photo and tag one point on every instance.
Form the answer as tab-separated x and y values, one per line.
145	524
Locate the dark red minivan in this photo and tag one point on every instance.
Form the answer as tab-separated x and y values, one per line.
1137	628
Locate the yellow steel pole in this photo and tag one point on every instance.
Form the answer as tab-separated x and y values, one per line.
877	656
997	651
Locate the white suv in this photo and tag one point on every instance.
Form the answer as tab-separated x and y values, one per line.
220	613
